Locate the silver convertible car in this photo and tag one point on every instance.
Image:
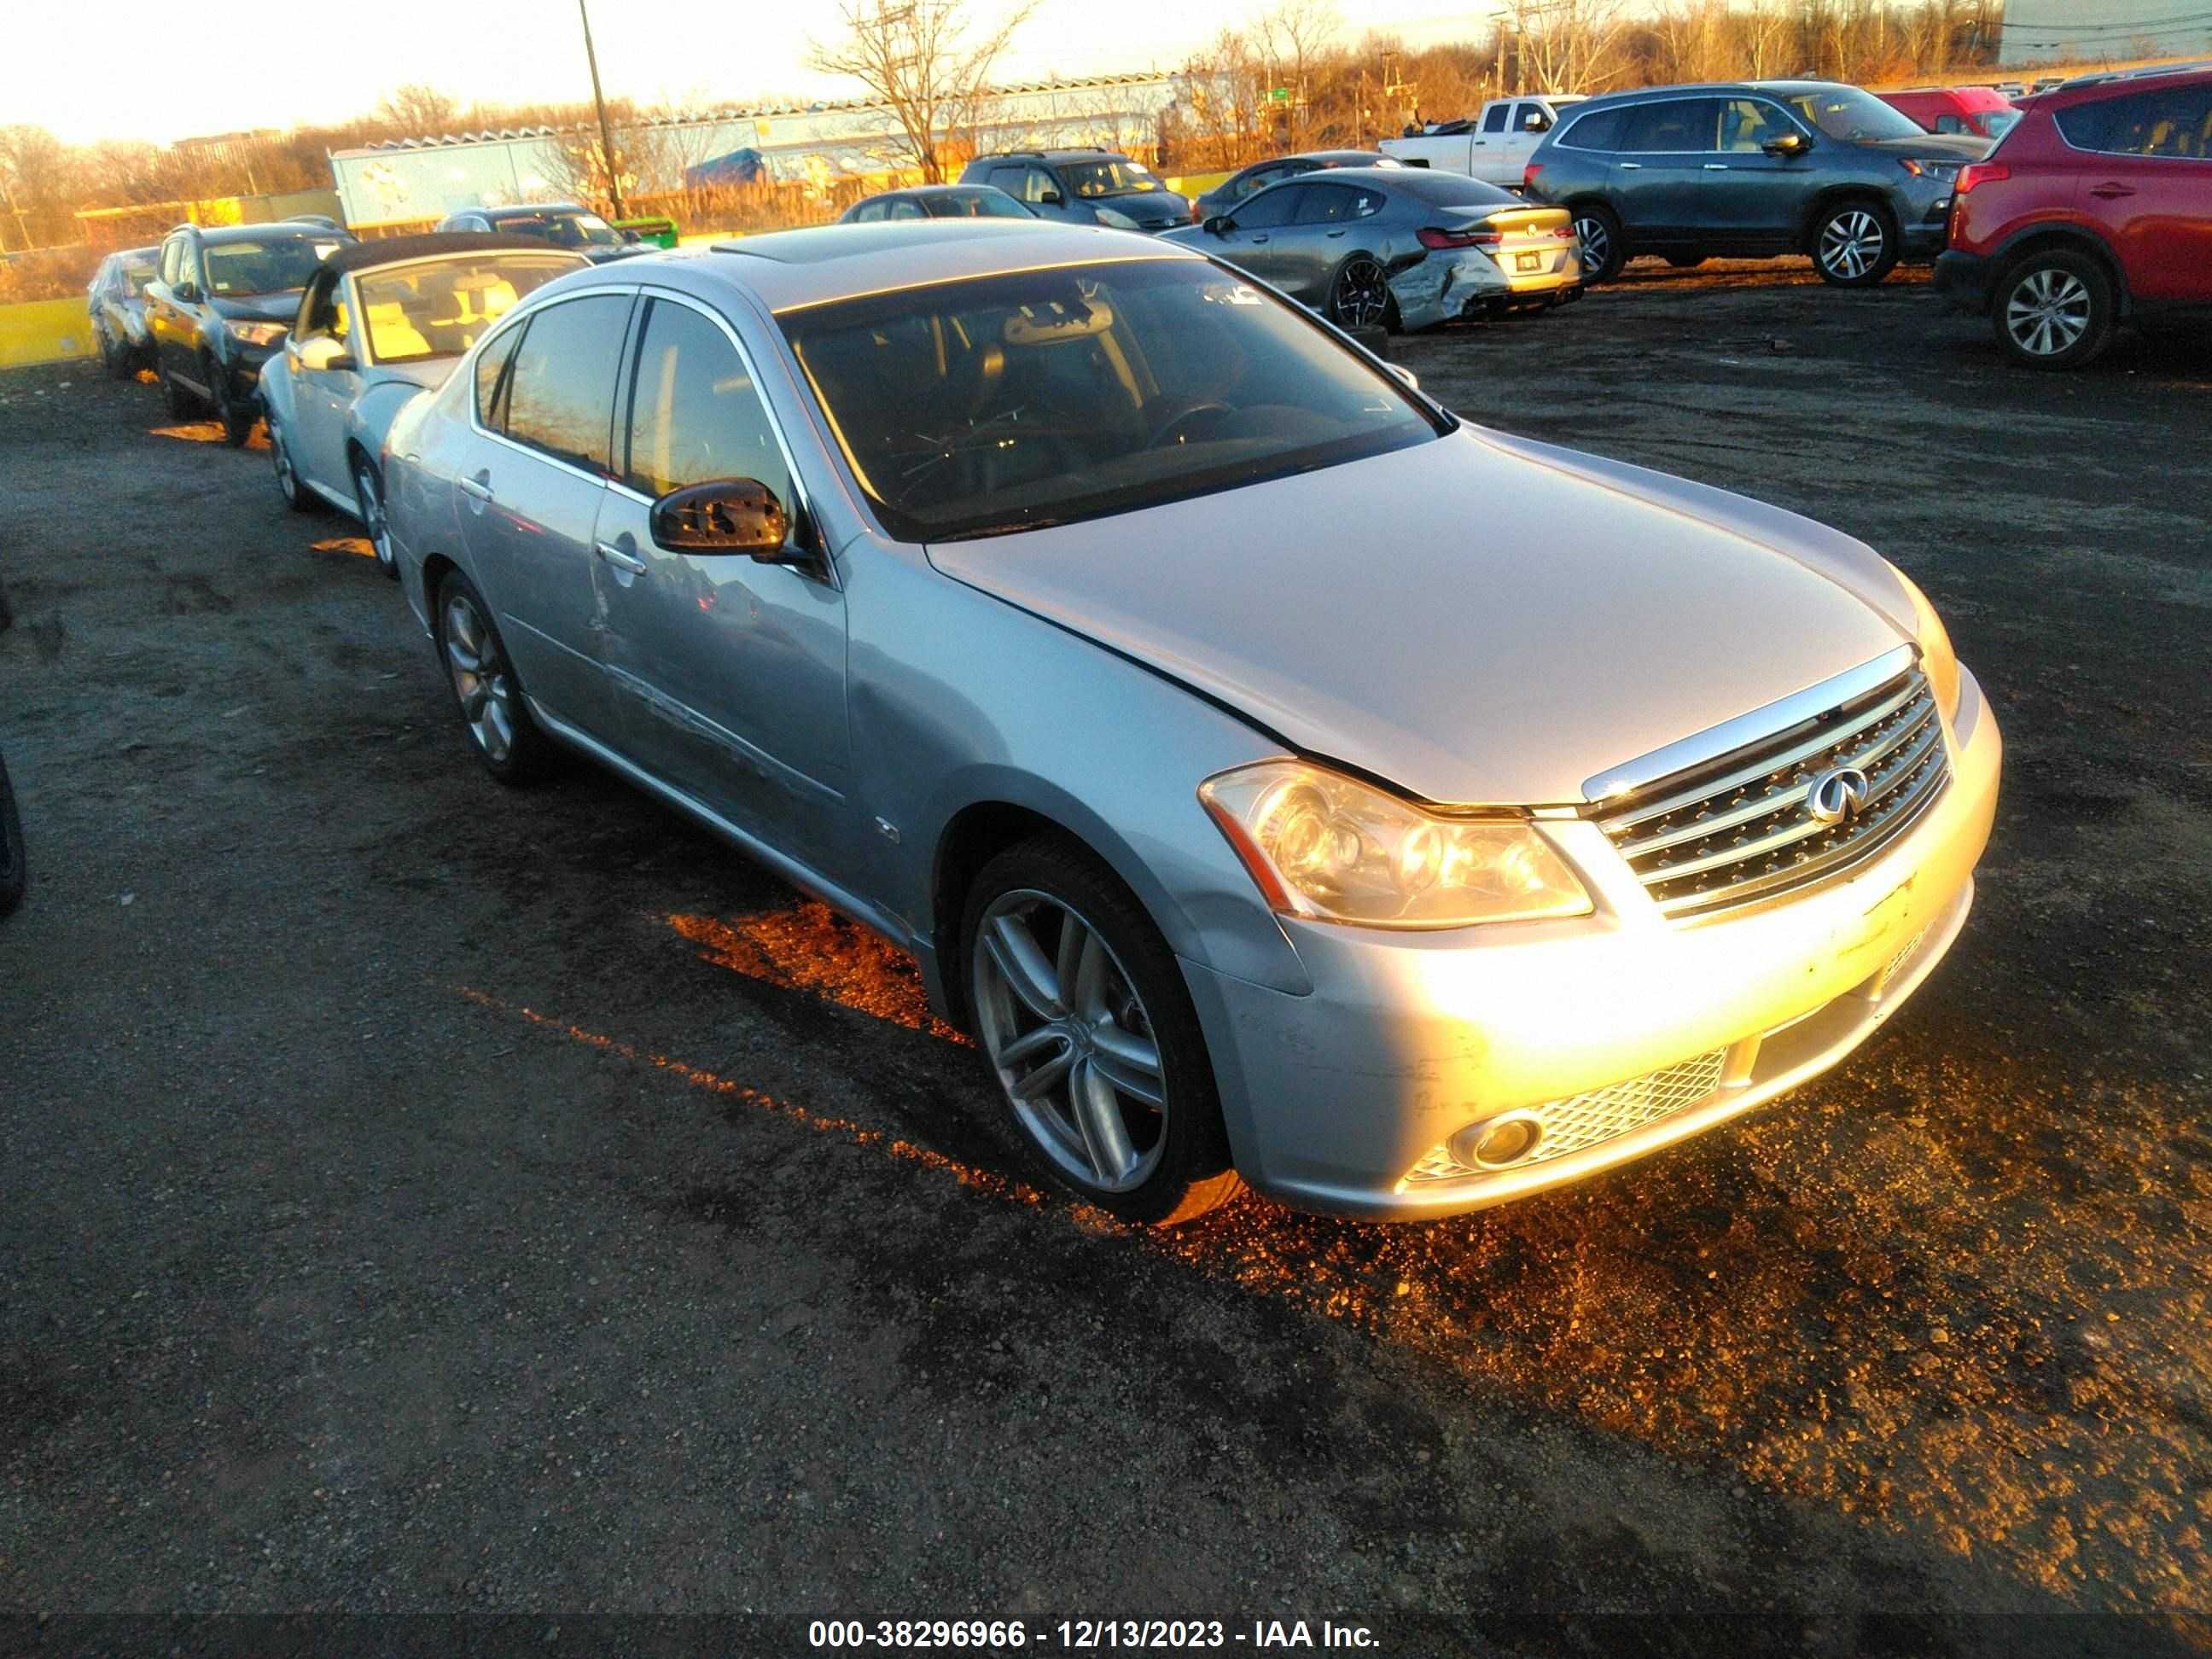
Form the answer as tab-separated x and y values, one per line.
378	322
1187	693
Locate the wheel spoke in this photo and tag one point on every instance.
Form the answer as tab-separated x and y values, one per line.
463	659
1087	994
1105	1136
1015	953
1076	943
1047	1072
1130	1062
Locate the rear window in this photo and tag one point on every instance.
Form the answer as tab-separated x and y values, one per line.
1448	189
2175	122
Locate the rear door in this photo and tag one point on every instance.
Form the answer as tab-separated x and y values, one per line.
530	495
2150	185
1659	177
730	672
1327	229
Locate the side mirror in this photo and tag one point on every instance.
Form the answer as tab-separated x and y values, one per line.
1534	121
1219	225
1052	199
322	352
728	515
1789	144
186	293
629	236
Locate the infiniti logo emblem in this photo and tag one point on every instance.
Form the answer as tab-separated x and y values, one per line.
1836	795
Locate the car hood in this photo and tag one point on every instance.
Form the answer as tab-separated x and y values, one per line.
280	307
1480	620
1934	146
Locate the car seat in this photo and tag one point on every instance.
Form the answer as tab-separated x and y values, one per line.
391	336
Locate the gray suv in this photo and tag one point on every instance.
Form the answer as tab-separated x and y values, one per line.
1082	187
1749	170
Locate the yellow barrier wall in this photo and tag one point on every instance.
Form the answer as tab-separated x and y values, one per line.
45	331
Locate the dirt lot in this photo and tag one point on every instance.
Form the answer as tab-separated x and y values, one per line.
422	1197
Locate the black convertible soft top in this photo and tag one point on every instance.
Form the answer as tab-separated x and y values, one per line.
356	256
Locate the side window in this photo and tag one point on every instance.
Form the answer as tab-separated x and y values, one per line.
1254	183
1008	178
491	377
189	265
1749	123
904	208
2175	122
1600	131
1531	118
1678	125
172	260
1272	208
1495	118
867	213
1326	204
695	414
561	393
325	311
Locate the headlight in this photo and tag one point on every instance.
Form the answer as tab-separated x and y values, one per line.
256	333
1114	219
1323	845
1937	660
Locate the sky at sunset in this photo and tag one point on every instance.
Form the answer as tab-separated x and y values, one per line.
732	53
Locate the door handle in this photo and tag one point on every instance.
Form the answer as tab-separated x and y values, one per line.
1717	166
1258	239
480	488
620	560
1336	233
1631	166
2109	191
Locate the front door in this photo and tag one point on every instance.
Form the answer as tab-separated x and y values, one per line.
1753	200
322	397
730	672
1659	177
1249	242
530	494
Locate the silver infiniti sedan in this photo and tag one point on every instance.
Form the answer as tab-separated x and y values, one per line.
1147	659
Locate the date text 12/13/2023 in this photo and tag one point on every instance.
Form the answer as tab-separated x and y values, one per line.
1088	1635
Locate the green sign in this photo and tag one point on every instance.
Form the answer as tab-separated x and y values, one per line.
1279	94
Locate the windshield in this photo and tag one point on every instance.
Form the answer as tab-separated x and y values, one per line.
567	229
421	311
1012	401
1848	114
1115	178
270	267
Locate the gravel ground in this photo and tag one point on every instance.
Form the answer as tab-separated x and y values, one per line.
426	1198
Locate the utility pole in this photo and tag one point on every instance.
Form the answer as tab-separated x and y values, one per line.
599	99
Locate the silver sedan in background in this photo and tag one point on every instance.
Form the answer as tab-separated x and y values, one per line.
1162	672
1398	247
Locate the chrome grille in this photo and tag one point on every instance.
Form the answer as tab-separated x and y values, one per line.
1738	830
1585	1120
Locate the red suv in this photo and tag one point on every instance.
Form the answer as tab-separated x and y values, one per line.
2096	206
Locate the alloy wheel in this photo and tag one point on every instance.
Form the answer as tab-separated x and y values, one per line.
1362	294
1851	244
481	679
2048	311
1071	1040
1597	243
370	495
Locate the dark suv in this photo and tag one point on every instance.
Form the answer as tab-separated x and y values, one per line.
1082	187
565	224
221	300
2096	206
1749	170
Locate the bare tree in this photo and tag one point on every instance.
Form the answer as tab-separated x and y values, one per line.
417	111
1293	38
925	60
1566	45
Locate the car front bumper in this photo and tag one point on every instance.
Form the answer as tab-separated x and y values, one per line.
1623	1032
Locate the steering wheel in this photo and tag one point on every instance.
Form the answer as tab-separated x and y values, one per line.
1167	427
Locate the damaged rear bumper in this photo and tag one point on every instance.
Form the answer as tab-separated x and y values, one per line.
1440	286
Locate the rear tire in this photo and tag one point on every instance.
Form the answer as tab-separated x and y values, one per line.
1359	294
1091	1037
2055	310
368	495
1604	246
1856	242
494	712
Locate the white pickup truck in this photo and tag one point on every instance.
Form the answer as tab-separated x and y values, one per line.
1493	145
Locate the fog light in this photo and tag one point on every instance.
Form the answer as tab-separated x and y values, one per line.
1498	1143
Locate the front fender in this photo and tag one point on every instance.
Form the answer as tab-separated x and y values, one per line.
277	389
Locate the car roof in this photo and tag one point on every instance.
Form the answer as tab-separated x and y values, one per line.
971	188
278	229
1076	153
791	269
1710	88
515	210
395	250
1322	156
2089	87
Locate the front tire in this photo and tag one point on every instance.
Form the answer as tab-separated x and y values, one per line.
182	404
1089	1033
297	495
237	418
493	710
1855	243
1359	296
1604	248
369	495
2055	310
